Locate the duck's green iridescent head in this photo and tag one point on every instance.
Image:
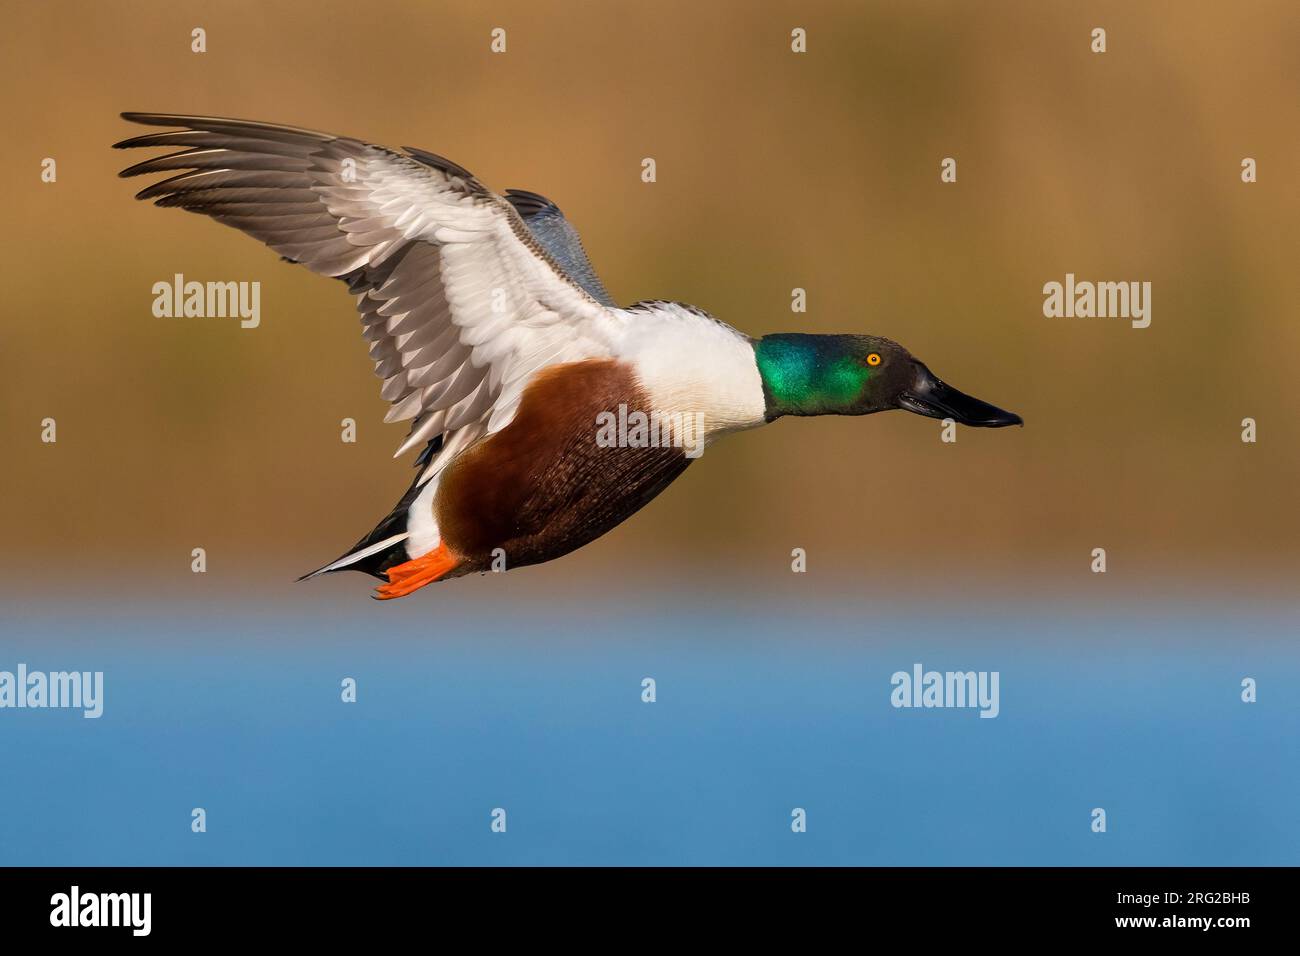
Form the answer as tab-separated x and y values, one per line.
858	375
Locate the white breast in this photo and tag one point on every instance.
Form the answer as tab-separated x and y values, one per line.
690	363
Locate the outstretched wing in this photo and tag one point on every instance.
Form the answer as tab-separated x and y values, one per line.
459	300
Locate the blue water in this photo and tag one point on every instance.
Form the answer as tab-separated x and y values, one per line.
759	710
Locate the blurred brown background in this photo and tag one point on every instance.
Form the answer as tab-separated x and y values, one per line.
775	170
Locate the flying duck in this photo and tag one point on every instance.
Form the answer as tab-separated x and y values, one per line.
544	414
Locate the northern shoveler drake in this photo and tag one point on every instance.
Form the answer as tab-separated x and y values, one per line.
545	414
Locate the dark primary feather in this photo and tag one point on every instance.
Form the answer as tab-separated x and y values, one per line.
241	172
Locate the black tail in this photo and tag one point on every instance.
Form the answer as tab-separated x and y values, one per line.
392	526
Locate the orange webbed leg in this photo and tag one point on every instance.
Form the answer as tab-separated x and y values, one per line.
403	579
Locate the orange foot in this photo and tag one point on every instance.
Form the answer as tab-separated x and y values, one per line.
416	573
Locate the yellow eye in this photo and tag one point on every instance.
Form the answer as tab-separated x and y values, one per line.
873	358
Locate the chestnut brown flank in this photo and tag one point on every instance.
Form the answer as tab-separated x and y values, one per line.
542	486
